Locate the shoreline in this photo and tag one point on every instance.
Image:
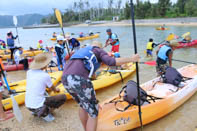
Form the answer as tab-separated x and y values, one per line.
188	21
137	24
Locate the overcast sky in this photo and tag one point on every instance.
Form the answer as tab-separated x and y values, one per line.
20	7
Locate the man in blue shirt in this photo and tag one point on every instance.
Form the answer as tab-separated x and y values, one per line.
112	39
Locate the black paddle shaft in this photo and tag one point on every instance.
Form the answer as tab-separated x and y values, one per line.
66	42
184	61
137	69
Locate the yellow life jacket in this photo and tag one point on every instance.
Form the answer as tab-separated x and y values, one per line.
39	46
149	46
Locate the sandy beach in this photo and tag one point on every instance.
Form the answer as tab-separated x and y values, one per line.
192	21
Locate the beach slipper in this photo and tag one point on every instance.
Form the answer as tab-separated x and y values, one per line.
8	116
8	112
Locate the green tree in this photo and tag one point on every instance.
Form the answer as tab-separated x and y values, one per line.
163	6
127	11
191	8
181	6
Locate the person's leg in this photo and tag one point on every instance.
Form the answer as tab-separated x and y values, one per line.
91	124
25	63
12	52
83	115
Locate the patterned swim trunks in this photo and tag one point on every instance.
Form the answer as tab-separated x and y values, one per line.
83	93
161	68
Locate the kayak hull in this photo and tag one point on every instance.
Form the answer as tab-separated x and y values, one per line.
82	38
21	86
28	53
88	37
111	119
159	28
104	80
187	45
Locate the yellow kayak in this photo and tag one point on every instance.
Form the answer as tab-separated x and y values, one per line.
82	38
105	79
54	39
110	119
88	37
28	53
21	86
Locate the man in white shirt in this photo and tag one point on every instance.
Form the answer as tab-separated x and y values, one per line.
19	57
37	82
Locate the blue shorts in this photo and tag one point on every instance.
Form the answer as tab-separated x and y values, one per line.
149	52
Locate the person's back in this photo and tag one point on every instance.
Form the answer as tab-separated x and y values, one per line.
17	56
37	81
149	47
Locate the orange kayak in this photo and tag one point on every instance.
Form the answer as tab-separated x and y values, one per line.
111	119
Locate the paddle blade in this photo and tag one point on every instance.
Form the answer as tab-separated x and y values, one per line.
15	20
59	17
170	37
16	109
186	34
151	63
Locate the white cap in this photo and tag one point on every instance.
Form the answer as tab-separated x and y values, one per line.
67	36
60	37
9	31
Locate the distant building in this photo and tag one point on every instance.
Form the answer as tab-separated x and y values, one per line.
115	18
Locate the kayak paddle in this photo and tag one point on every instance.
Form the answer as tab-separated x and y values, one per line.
184	61
137	69
16	109
59	19
15	21
151	63
186	34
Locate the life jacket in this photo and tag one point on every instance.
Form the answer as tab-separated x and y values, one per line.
39	46
90	61
62	49
162	52
1	62
10	41
110	37
149	46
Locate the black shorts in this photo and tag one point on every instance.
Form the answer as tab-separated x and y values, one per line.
50	102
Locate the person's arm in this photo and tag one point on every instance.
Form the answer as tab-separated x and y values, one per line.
110	61
170	58
50	85
124	60
14	37
106	43
53	88
154	45
58	53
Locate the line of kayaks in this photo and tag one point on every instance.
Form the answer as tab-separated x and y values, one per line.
99	83
83	38
111	119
